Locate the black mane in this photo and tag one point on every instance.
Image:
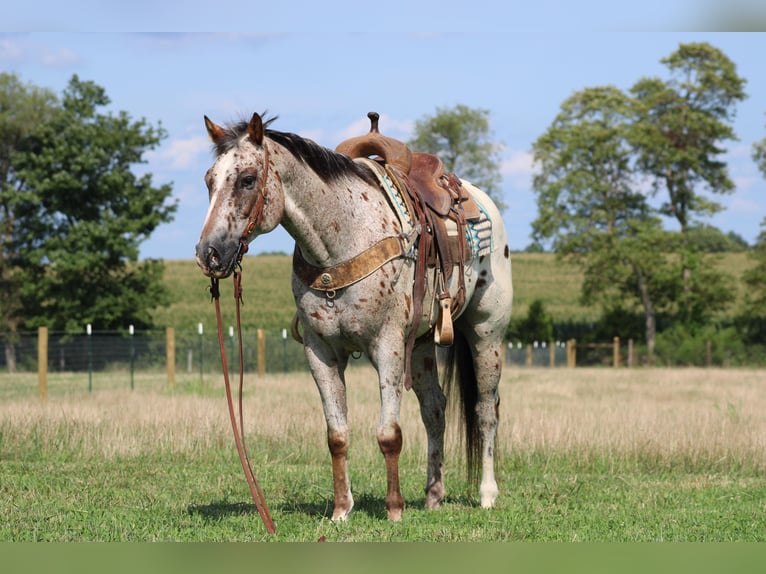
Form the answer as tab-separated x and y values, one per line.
326	163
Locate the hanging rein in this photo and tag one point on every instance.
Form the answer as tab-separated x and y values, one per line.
239	429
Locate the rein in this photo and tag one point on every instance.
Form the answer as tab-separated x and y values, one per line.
239	429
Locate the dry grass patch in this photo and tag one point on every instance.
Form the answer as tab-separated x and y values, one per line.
695	415
666	415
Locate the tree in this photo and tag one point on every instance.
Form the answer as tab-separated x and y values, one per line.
590	206
759	155
79	214
755	277
536	326
462	139
22	107
681	125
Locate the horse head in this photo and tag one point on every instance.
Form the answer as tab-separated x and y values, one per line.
246	200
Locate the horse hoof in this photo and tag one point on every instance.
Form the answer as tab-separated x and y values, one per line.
395	514
488	495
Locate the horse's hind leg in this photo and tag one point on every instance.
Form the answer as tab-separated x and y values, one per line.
488	358
425	383
328	371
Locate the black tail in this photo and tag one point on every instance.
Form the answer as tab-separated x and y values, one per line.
459	368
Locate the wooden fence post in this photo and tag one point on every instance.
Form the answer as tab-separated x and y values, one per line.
529	355
630	353
572	353
552	353
261	352
170	355
616	352
42	362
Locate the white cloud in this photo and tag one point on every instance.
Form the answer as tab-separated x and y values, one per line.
181	153
11	50
62	58
518	168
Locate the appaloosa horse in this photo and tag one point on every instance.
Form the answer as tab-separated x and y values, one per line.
337	212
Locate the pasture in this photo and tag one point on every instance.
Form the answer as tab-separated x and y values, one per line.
582	455
269	301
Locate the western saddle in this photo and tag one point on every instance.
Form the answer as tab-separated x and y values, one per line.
433	197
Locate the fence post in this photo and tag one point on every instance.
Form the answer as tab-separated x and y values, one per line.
170	355
201	353
630	353
131	331
89	330
261	352
42	362
552	354
529	355
616	352
572	353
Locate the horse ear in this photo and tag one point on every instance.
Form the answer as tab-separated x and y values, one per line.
255	129
214	131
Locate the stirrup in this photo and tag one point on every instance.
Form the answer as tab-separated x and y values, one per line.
444	334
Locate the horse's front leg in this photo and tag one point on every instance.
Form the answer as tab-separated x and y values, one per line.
328	371
388	360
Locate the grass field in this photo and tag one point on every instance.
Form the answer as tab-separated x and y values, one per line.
583	455
269	303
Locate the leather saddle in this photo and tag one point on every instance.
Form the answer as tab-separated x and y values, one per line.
425	172
435	196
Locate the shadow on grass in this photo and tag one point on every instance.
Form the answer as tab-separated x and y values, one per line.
373	506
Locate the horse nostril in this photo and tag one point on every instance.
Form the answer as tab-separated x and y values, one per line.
213	258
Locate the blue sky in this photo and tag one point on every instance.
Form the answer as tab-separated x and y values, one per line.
322	66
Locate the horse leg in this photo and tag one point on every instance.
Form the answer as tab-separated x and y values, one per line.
488	358
390	366
425	383
328	371
483	342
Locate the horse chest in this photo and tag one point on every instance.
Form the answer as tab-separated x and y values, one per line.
358	313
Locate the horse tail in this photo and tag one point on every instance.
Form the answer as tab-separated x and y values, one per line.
459	371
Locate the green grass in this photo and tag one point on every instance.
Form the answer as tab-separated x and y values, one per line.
583	455
201	498
269	303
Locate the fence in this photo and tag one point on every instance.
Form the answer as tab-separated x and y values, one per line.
196	353
117	353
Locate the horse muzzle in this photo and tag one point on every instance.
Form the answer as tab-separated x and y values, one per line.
217	259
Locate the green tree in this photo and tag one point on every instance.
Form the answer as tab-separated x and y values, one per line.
755	277
705	238
536	326
80	213
759	155
22	108
589	204
461	137
681	125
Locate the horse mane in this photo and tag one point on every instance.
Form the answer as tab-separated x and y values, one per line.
326	163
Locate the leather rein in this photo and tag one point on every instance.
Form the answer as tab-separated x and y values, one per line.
239	428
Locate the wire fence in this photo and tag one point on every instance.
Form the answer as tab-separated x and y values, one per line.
193	352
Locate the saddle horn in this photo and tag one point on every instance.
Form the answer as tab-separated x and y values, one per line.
393	151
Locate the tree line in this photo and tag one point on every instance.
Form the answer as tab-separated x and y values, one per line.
610	167
604	158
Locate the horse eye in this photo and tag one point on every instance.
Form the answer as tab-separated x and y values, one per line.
248	181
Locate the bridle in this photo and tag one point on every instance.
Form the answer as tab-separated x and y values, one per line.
239	429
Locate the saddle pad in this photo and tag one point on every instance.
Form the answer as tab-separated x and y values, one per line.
478	233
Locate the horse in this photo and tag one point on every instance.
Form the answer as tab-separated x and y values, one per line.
334	209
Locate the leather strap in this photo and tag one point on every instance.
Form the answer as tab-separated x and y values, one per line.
349	272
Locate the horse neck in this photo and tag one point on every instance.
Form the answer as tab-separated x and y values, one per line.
331	222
